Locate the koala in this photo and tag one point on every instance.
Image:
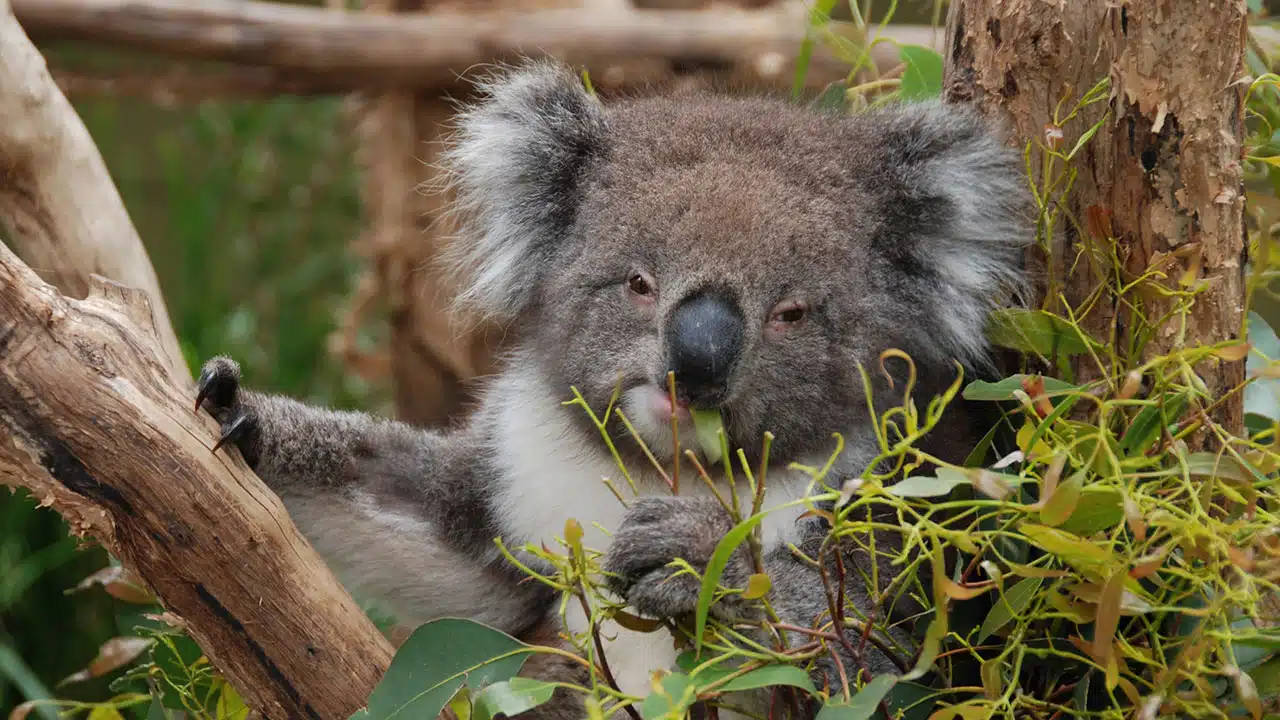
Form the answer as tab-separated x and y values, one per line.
759	250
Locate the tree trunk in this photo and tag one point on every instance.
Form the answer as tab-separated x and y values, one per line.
1162	176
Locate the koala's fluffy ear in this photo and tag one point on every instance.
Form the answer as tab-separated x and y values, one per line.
957	218
516	161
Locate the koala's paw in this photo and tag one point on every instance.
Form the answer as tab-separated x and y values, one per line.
656	531
218	391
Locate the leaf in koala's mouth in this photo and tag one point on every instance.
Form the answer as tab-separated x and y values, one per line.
707	423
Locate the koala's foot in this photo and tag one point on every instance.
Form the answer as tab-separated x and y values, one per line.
218	391
656	531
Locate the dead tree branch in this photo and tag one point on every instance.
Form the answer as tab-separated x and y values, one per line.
58	206
369	51
97	420
105	432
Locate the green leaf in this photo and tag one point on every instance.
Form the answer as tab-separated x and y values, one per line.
758	585
931	646
1145	428
911	701
862	705
230	705
438	659
1076	551
715	568
707	425
922	77
1098	508
1222	466
1035	331
1059	507
156	711
927	485
512	697
1012	603
767	676
1003	390
673	697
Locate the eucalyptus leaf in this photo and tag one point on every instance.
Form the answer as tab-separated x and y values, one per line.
672	698
1004	389
1145	428
719	561
862	705
438	659
707	425
922	76
512	697
928	485
1035	331
1013	602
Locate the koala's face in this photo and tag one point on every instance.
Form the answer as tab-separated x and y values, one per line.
758	251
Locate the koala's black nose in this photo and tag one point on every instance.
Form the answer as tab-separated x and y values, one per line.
703	341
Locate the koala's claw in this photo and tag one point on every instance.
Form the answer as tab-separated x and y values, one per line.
218	391
236	430
657	531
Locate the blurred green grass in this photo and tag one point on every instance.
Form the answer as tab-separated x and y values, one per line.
247	211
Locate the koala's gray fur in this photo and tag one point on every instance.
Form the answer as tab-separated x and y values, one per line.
898	228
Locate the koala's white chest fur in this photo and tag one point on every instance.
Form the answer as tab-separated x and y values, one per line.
554	474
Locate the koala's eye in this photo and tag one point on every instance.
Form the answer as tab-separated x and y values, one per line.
789	313
641	284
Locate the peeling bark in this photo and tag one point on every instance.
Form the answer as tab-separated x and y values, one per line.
1163	174
95	424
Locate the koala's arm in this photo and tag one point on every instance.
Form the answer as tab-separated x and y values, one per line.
398	512
658	530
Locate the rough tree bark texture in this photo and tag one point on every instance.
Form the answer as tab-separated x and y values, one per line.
1164	168
85	396
45	153
97	420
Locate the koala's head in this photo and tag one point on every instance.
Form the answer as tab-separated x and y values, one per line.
758	249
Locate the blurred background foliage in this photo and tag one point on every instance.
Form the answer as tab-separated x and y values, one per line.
247	210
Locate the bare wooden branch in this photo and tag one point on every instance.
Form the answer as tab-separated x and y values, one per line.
94	422
58	205
372	51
